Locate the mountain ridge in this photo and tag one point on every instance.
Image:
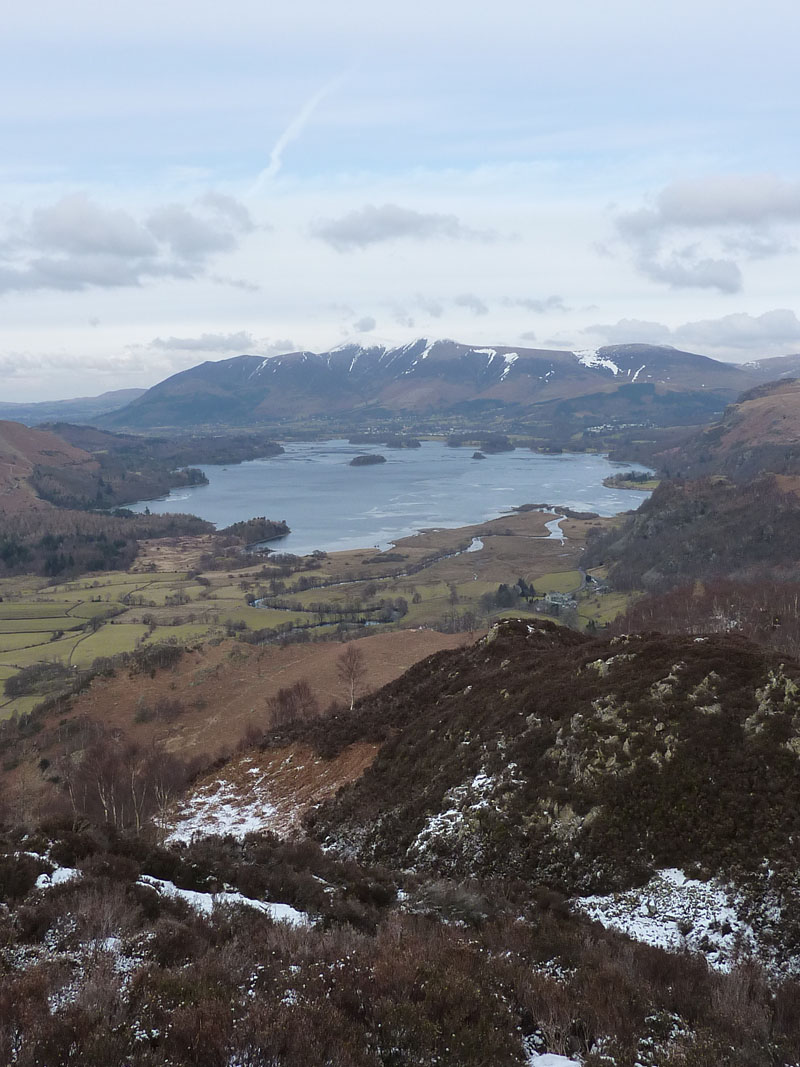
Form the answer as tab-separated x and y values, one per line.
420	378
76	409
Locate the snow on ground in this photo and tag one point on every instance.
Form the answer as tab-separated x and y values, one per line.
268	793
464	802
675	913
58	877
510	359
589	358
206	902
225	808
550	1059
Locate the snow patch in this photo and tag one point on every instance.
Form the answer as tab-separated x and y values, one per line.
259	368
485	352
510	359
590	357
60	876
639	371
206	902
223	809
550	1059
674	912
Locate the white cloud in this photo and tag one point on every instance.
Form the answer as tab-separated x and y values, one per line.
730	336
242	343
686	269
780	328
77	226
538	307
472	302
730	214
76	244
373	225
365	324
729	200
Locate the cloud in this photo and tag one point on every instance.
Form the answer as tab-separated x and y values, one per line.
686	270
241	342
779	327
431	307
632	331
372	225
77	226
189	236
76	244
229	208
207	342
539	307
472	303
731	213
729	200
365	324
772	331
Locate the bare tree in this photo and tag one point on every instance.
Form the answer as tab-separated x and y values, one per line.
352	670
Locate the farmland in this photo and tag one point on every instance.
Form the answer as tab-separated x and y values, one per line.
439	579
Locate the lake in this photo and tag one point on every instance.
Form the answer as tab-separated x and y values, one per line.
330	505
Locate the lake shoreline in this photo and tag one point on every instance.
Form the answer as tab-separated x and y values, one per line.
331	506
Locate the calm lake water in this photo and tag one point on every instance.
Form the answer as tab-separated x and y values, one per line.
330	505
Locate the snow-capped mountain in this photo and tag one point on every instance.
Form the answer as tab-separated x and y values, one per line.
421	377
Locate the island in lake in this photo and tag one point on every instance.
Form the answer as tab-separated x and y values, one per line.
367	461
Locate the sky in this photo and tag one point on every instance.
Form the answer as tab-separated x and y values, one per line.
196	180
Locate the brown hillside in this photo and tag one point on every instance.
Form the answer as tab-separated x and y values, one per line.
204	706
21	450
761	432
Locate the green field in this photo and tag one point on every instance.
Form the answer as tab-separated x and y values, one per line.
558	582
120	611
9	642
36	610
21	626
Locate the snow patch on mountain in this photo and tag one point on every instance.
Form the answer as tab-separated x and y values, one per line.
590	357
510	359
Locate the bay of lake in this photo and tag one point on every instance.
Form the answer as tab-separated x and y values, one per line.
332	506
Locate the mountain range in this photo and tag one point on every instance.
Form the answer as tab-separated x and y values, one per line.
80	409
445	377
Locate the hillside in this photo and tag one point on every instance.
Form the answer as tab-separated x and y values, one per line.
708	528
760	432
22	451
660	775
422	378
134	467
584	764
81	409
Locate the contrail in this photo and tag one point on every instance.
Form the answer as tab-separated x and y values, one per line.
292	132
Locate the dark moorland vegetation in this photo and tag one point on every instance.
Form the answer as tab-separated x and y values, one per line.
703	529
472	956
607	760
105	970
